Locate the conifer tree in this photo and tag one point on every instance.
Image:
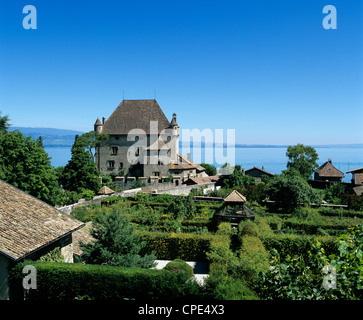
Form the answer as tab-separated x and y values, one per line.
116	243
80	173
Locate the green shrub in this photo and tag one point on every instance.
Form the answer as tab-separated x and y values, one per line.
248	227
185	246
66	281
228	288
226	229
178	265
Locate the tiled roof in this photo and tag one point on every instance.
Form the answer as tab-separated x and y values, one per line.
235	197
204	180
259	169
132	114
328	170
360	170
105	190
358	190
27	223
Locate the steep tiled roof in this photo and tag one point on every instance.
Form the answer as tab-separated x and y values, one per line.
328	170
203	180
27	223
105	190
235	197
82	235
358	178
132	114
259	169
359	170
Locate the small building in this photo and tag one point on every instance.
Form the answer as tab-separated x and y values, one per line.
29	228
234	209
202	180
357	176
327	172
257	173
105	191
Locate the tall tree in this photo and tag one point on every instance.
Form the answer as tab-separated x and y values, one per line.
210	169
25	164
236	179
91	140
80	172
116	243
303	159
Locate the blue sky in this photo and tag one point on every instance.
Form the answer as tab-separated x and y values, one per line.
267	69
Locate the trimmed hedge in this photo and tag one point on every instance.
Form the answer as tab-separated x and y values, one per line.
66	281
291	244
185	246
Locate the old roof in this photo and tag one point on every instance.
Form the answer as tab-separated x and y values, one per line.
328	170
135	114
235	197
185	160
105	190
28	224
202	180
360	170
259	169
358	190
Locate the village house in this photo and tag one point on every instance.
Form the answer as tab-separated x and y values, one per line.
29	228
328	173
143	144
357	176
257	173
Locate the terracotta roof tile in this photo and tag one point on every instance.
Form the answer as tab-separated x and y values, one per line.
27	223
328	170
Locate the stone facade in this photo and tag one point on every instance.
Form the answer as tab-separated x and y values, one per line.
142	144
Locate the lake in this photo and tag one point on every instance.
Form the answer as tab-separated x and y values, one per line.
273	159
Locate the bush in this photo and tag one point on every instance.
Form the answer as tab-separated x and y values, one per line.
185	246
65	281
180	266
225	228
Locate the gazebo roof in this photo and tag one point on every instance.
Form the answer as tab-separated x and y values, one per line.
235	197
105	190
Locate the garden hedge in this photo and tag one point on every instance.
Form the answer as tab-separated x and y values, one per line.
185	246
292	244
66	281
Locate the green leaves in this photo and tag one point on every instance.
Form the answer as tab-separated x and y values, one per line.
303	159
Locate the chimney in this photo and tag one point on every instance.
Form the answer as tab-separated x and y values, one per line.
243	171
329	160
263	168
103	120
188	156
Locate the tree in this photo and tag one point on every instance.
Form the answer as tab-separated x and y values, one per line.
290	191
303	159
117	243
236	179
80	173
25	164
4	123
91	140
210	169
317	276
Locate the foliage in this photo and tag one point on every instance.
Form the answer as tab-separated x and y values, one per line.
236	179
54	255
302	277
185	246
80	172
289	192
180	266
303	159
223	287
116	243
183	207
333	192
4	123
69	281
225	228
91	140
25	165
210	169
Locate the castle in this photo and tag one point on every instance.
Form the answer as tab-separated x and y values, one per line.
143	144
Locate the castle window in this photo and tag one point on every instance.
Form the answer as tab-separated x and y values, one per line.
117	138
114	150
156	174
121	165
111	164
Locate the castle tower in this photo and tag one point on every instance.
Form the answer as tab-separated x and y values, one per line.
98	126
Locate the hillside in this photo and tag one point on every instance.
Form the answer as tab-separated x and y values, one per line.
51	137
